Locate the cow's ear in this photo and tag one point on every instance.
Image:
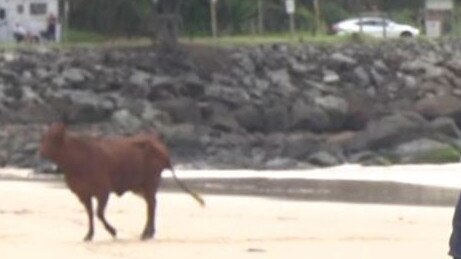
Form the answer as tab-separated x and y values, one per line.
61	126
64	119
58	131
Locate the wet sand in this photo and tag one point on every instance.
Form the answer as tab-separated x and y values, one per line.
42	220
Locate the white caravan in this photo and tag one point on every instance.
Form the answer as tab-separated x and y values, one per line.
32	15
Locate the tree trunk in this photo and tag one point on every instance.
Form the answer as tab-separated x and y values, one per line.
167	21
261	16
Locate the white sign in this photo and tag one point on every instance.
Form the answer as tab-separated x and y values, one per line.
433	28
439	4
290	6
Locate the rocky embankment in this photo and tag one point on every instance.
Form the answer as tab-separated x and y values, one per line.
273	106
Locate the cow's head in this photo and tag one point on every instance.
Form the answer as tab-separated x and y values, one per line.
52	140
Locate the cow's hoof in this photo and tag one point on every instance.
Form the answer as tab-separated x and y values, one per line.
88	238
89	235
147	235
112	232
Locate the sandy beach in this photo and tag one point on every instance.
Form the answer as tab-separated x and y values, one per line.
44	220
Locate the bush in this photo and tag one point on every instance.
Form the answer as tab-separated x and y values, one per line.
447	155
406	16
333	13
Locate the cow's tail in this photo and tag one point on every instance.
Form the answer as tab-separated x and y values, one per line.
195	195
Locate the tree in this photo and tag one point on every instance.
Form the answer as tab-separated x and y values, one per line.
235	16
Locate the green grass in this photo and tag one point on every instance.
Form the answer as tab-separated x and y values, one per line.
249	40
447	155
82	37
86	39
76	38
79	36
441	155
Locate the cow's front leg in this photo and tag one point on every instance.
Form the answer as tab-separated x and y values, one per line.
102	202
86	200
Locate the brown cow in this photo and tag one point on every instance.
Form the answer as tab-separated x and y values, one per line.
94	167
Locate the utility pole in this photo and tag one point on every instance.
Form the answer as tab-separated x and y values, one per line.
64	19
214	19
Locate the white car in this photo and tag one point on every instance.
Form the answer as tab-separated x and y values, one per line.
374	26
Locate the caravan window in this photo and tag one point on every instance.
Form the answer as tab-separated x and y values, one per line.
20	9
2	14
38	8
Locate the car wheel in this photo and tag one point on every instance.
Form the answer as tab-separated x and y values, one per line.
406	34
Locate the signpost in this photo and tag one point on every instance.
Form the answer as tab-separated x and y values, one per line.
290	6
439	4
436	15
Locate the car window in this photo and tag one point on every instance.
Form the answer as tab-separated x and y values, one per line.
372	23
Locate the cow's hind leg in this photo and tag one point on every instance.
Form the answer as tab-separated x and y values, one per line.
102	202
86	200
149	229
150	196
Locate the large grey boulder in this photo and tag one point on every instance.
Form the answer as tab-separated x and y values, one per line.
337	109
191	85
330	76
81	106
343	60
281	80
139	78
301	145
184	140
181	110
309	117
425	150
276	118
75	75
125	119
250	117
228	95
324	158
161	88
389	131
422	67
364	78
445	126
440	106
221	118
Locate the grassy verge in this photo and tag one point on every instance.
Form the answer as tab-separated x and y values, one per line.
248	40
89	38
78	38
